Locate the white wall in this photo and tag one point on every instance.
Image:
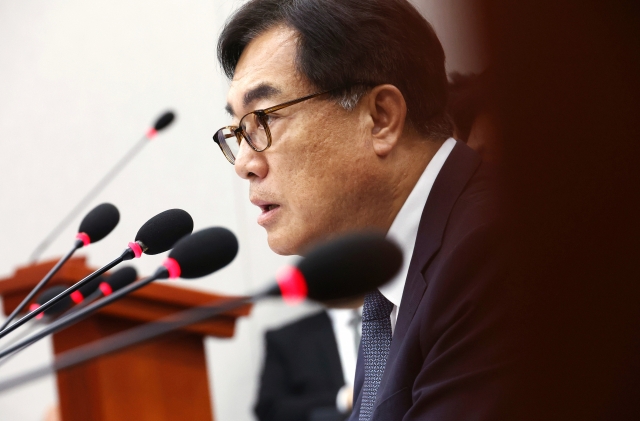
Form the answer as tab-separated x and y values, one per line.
79	83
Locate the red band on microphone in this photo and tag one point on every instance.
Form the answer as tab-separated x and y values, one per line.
151	133
292	285
35	306
136	249
77	297
105	288
84	238
173	267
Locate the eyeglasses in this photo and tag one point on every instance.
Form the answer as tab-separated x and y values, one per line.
253	128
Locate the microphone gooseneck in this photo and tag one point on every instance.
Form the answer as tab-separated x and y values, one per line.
103	286
339	252
210	246
57	309
127	254
81	314
161	123
160	233
96	225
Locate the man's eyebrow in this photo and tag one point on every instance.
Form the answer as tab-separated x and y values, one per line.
229	109
262	91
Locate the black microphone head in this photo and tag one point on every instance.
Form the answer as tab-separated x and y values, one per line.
100	221
87	289
164	120
59	307
121	278
350	266
161	232
204	252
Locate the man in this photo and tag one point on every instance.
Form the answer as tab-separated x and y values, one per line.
339	121
309	368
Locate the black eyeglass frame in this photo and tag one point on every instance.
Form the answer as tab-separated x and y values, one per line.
261	115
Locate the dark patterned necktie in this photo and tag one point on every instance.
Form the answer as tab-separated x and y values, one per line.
376	342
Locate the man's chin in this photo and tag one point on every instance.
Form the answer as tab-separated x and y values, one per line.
287	243
281	243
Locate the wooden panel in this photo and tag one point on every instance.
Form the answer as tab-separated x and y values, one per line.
162	380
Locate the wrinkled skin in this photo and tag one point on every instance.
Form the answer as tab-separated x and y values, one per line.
328	170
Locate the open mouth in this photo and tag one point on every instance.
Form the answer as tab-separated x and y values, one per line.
269	207
269	214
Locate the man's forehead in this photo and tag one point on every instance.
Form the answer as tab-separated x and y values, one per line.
265	69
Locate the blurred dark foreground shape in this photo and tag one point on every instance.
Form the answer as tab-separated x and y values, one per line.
566	86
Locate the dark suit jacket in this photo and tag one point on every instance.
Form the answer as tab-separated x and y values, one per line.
302	372
450	355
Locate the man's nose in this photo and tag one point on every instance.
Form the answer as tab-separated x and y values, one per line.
249	163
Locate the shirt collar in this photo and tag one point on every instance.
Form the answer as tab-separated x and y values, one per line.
404	228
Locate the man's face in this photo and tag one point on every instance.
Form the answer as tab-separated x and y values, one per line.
319	177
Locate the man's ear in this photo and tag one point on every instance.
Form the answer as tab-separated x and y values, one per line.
388	112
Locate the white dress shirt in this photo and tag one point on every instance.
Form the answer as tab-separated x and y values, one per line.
344	330
404	228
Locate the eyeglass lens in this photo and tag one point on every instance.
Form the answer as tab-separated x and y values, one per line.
253	129
229	143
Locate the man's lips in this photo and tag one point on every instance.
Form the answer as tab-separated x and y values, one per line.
266	206
269	209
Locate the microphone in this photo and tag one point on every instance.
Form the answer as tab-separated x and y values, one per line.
102	286
51	313
85	291
56	309
194	256
120	279
161	123
342	269
315	270
96	225
157	235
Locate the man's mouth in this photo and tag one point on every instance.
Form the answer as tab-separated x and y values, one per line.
269	207
269	214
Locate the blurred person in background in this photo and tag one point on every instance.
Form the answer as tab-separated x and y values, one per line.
309	368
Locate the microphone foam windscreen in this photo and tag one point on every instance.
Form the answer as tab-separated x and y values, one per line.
164	120
204	252
350	266
59	307
162	231
100	221
122	277
91	286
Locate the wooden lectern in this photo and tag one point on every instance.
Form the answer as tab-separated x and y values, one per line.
161	380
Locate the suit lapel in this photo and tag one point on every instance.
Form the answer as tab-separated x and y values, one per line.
449	184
